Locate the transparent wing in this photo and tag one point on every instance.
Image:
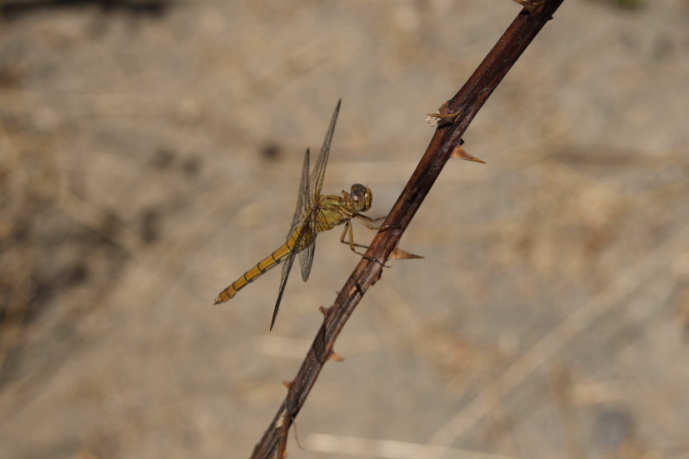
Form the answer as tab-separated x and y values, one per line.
286	268
306	255
309	192
305	237
318	173
303	198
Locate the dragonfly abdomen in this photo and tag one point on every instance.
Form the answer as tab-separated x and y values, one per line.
263	266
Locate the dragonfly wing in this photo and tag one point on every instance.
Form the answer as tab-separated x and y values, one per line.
306	255
303	197
286	268
318	173
308	199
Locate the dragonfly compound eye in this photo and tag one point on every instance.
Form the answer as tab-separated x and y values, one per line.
361	198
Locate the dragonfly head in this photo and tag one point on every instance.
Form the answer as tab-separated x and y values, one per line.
361	197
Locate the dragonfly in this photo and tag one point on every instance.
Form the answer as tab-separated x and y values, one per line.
314	214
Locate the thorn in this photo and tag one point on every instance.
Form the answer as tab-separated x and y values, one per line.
532	6
442	119
324	310
460	153
287	384
335	357
402	255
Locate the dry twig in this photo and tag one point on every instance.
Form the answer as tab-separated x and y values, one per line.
454	118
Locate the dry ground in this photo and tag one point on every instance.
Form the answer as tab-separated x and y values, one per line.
150	153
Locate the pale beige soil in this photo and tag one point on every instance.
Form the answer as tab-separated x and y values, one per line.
148	157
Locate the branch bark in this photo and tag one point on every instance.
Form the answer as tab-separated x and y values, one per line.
454	118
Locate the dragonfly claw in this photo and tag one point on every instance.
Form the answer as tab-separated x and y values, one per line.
376	260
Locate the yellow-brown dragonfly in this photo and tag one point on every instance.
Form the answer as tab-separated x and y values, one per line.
315	213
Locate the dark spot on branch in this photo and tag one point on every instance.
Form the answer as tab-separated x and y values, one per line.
358	288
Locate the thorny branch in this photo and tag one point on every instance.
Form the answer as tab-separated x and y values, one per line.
454	117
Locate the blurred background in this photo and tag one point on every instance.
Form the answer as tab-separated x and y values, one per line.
150	153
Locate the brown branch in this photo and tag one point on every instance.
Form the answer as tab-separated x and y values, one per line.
454	118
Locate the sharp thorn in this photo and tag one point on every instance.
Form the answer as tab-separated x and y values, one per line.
532	6
335	357
460	153
400	254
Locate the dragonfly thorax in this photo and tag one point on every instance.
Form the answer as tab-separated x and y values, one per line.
360	197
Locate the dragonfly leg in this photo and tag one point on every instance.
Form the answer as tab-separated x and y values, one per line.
349	229
368	222
350	242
